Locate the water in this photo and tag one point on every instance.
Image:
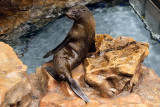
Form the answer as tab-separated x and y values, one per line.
116	21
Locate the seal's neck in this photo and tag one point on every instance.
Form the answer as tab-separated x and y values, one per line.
82	21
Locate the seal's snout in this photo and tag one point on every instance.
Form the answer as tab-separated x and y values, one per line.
69	14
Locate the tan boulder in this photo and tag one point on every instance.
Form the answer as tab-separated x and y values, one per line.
111	68
14	86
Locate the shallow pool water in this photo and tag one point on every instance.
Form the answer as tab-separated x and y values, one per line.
116	21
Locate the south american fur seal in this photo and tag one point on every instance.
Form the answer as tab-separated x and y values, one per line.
72	51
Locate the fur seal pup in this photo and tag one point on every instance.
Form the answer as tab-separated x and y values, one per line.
71	52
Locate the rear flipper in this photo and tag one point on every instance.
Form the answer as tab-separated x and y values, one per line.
72	83
78	91
54	74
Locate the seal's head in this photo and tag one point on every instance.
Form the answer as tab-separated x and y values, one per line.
78	12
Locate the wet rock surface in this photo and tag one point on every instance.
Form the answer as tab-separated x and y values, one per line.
20	17
113	76
14	86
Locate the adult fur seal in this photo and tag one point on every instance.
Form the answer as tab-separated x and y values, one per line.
71	52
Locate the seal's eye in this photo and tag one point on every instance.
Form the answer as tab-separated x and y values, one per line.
83	10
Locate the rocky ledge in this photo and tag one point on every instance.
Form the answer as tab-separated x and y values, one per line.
113	76
21	17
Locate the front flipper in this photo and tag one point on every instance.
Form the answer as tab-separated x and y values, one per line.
54	74
60	46
92	48
78	91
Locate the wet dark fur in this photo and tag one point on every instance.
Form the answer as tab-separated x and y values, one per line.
79	41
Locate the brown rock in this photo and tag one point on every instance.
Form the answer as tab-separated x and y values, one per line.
60	94
26	101
108	73
148	87
17	17
38	81
12	5
14	84
116	61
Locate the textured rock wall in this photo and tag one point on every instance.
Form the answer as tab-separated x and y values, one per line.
14	85
20	17
17	88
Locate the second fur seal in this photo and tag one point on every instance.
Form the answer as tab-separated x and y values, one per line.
72	51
